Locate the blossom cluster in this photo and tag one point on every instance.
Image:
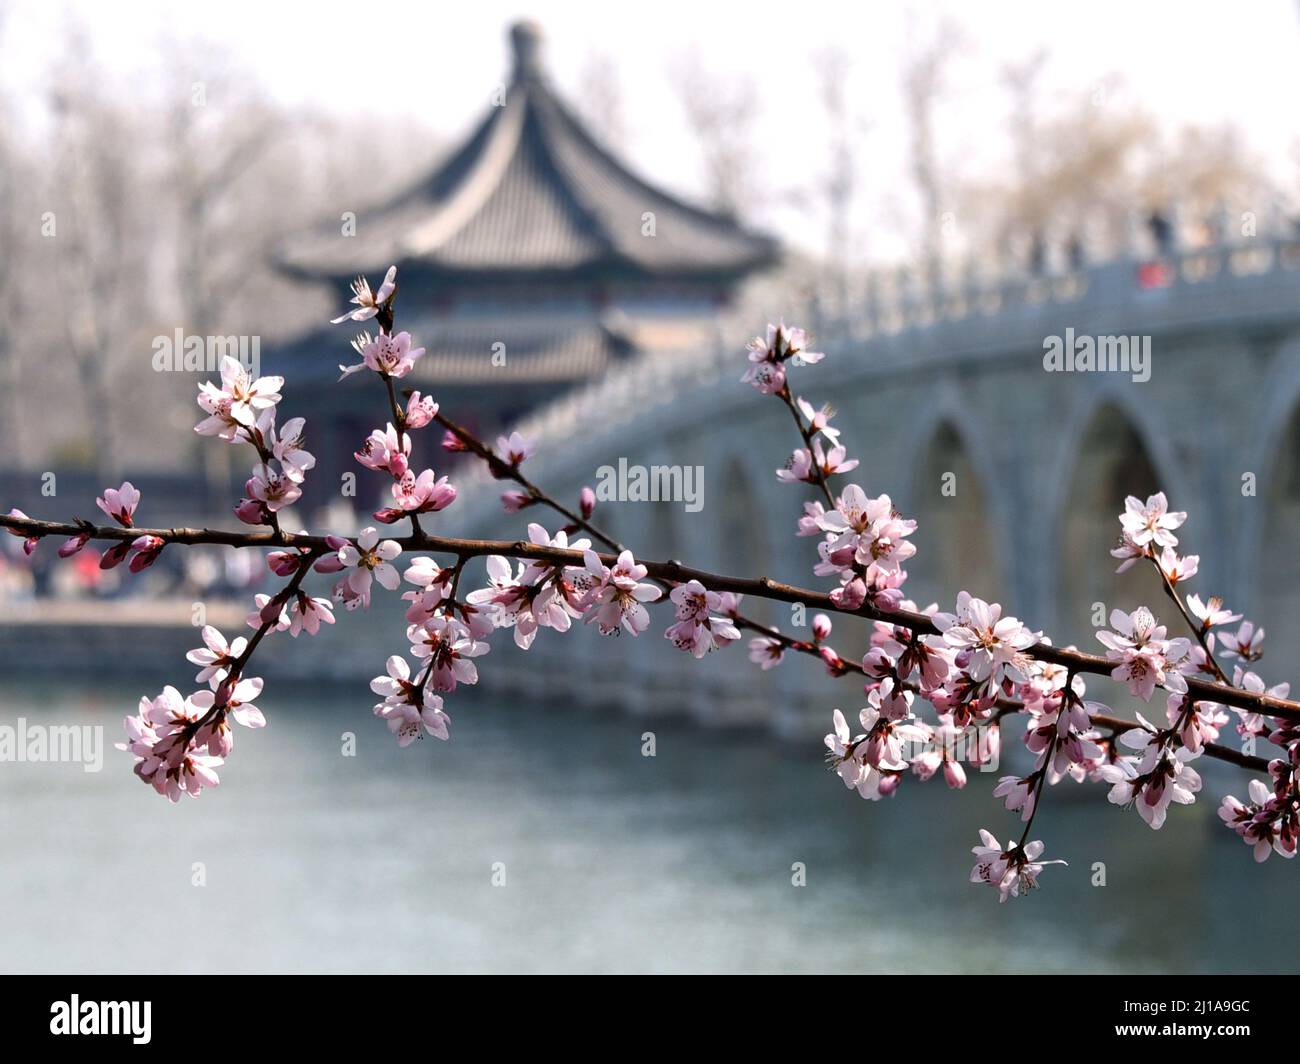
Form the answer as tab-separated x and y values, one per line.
975	669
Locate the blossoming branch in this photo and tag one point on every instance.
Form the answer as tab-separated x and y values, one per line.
974	666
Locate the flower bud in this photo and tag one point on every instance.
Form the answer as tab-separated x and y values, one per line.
252	512
73	544
329	563
115	555
821	627
147	549
587	502
284	562
851	595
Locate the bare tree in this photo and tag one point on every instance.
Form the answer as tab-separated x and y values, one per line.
927	55
15	239
600	95
841	185
99	267
721	113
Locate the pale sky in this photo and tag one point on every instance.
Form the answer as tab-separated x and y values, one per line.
437	62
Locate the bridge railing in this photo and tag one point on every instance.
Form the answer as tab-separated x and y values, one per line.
1244	274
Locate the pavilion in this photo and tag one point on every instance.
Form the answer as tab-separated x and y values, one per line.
529	262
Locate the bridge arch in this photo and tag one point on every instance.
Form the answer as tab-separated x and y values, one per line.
740	501
961	536
1111	446
1268	561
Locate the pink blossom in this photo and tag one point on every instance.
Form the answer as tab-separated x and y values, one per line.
1253	723
941	753
847	766
307	613
216	656
887	728
767	377
1211	612
1013	871
449	648
409	711
409	722
767	357
389	356
866	532
418	495
846	758
513	501
996	644
803	467
1129	552
286	445
420	410
1019	793
369	558
1201	721
238	402
272	488
1145	658
819	420
515	448
1176	568
433	583
270	610
526	601
766	652
387	451
1269	822
1159	776
617	594
120	503
1152	523
235	703
696	630
810	523
1244	644
165	756
368	303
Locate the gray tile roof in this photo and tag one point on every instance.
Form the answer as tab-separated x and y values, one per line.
531	192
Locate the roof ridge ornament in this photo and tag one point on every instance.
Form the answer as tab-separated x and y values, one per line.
526	40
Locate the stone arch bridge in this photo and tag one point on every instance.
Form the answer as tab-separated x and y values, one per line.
951	389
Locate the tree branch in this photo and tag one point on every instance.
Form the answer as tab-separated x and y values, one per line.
674	571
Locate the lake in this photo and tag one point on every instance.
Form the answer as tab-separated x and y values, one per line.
540	839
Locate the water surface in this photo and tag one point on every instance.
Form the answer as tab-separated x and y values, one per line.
311	861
